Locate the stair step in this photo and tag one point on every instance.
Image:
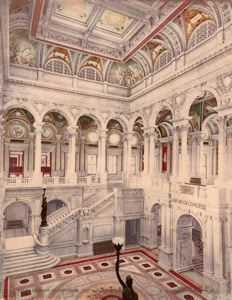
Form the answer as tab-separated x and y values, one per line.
11	258
31	268
25	262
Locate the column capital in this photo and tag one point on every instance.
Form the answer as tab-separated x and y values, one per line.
58	137
102	133
72	130
150	130
38	127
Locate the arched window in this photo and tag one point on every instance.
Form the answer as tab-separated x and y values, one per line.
202	33
163	59
58	66
90	74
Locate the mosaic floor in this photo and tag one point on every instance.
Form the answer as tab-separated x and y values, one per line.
95	279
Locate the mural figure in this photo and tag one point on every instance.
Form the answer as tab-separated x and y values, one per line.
22	50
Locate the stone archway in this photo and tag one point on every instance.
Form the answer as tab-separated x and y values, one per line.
17	220
189	244
55	205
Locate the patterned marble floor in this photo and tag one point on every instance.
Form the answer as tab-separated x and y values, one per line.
95	279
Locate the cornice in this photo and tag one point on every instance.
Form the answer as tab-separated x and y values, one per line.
181	72
65	89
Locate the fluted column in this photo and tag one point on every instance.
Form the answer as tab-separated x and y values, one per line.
146	153
37	170
72	154
184	150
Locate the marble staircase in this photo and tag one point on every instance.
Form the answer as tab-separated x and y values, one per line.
20	257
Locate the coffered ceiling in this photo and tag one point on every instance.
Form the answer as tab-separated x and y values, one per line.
107	28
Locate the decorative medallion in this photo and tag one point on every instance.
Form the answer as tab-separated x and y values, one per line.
17	131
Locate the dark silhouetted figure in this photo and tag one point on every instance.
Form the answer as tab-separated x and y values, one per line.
44	210
128	293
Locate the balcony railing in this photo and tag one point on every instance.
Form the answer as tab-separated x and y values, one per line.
51	181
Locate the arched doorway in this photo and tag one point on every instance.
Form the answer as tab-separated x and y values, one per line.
55	205
155	235
17	220
189	244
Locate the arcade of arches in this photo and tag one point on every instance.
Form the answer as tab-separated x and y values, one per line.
128	139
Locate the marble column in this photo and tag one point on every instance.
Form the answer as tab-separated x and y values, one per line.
31	153
1	149
218	248
169	158
71	174
209	249
221	148
153	140
82	156
163	226
184	145
125	150
146	153
102	153
175	156
129	152
7	158
58	154
37	170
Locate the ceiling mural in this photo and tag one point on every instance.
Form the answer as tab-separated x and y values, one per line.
17	114
85	122
193	18
200	110
164	115
94	62
139	126
79	10
114	124
22	50
155	49
60	53
114	21
97	36
56	119
126	74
